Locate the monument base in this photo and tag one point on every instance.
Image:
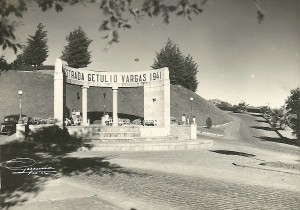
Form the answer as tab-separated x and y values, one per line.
20	131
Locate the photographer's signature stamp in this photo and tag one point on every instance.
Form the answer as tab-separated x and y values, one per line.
26	166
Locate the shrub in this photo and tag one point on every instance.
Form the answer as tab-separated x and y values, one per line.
208	122
137	122
174	121
53	139
34	68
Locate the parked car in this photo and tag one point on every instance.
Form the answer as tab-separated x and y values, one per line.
150	122
9	125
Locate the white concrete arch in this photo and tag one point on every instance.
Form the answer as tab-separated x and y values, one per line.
156	85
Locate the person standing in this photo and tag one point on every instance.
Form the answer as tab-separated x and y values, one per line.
77	113
67	112
183	119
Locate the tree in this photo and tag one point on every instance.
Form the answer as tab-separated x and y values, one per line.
225	104
208	122
4	66
191	71
182	69
36	51
278	116
219	103
76	53
293	106
18	63
242	106
116	12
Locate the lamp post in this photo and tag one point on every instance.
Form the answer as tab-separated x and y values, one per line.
191	99
20	118
104	94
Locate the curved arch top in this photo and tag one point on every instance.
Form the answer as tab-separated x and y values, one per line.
113	79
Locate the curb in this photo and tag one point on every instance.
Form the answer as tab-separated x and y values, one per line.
267	168
152	146
222	124
204	126
212	134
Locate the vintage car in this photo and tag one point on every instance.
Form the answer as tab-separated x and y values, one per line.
9	125
150	122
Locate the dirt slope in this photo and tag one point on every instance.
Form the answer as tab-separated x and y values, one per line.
38	99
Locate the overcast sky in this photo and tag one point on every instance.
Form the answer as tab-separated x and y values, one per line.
238	58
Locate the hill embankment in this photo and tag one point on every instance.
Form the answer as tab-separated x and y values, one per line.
37	99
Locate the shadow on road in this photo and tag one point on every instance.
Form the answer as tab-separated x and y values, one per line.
263	121
262	128
70	166
280	140
229	152
256	115
46	152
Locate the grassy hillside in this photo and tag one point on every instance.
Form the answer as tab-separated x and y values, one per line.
38	99
37	93
180	104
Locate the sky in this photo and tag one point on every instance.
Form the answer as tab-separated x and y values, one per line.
238	58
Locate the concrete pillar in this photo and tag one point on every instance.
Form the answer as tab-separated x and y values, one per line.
58	93
157	102
84	105
167	102
115	106
20	131
193	131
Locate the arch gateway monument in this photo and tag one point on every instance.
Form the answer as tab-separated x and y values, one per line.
156	86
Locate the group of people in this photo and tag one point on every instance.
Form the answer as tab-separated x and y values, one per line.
186	120
74	118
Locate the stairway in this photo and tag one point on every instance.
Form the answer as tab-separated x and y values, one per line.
128	138
112	134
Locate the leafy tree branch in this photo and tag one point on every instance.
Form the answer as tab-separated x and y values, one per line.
115	11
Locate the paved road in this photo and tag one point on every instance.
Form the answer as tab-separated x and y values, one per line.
255	131
156	190
226	176
206	179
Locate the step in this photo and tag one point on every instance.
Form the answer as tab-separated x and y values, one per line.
153	146
95	141
114	134
183	137
156	139
117	129
93	128
133	139
136	138
111	140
